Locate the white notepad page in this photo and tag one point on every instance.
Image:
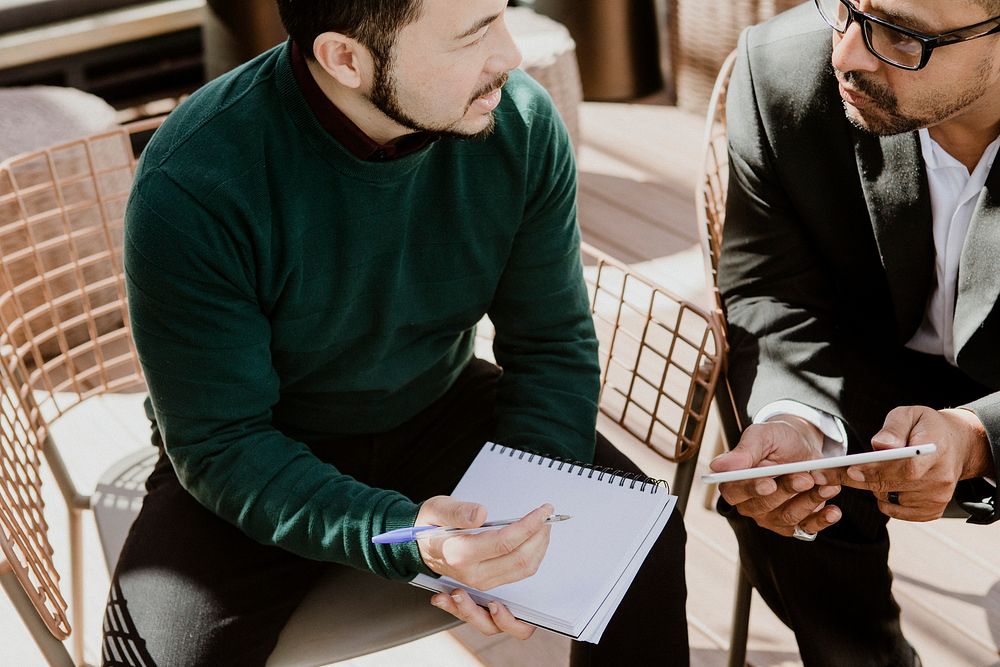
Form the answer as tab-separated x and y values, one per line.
591	559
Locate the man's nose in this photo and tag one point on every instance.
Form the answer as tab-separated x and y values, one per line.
506	55
850	53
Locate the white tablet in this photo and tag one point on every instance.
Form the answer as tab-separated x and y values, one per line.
819	464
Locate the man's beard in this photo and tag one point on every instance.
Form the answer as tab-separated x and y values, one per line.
889	120
385	98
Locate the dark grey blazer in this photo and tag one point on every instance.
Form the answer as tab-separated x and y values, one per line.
828	257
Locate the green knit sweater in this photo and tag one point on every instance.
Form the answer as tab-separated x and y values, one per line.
282	292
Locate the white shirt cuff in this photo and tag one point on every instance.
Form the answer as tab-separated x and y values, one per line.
834	433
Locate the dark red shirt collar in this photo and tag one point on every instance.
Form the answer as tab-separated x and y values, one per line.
342	128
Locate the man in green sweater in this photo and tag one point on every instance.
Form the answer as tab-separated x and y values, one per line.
309	245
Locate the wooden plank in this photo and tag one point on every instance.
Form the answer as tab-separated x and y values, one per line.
656	139
653	202
628	236
950	594
100	30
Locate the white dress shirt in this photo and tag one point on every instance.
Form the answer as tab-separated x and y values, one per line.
954	196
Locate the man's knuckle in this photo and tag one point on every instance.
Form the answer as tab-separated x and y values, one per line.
505	546
521	562
787	517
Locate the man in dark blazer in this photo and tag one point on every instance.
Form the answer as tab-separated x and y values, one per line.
860	273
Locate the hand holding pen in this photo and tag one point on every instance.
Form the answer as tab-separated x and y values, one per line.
483	560
401	535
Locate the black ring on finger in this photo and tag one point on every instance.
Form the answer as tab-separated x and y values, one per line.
892	497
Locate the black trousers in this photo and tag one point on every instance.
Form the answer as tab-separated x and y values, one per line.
836	593
191	589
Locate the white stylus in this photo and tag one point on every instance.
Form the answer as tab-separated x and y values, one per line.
819	464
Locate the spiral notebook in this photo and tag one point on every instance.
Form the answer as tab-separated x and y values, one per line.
591	559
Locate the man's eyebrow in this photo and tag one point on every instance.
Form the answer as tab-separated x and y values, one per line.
480	24
904	19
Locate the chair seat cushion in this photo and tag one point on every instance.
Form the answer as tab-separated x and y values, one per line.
349	613
37	116
352	613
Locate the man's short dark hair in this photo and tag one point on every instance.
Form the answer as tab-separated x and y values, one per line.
374	23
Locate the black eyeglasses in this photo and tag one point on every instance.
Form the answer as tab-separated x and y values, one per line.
895	45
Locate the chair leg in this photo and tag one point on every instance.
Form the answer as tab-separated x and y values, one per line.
52	649
711	489
683	478
76	574
741	620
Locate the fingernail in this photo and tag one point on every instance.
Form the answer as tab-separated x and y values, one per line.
856	474
886	437
493	607
437	602
457	598
765	487
819	478
473	512
801	484
833	515
828	491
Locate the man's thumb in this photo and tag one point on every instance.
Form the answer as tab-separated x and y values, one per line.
736	459
896	429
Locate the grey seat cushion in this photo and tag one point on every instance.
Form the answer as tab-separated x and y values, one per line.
23	14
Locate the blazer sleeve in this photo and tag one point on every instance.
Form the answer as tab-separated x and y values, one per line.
779	309
979	497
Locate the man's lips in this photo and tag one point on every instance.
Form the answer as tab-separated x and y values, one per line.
490	100
854	97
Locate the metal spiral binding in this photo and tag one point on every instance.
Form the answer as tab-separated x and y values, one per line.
559	463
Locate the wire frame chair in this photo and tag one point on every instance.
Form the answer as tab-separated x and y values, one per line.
711	205
710	200
63	335
660	357
713	185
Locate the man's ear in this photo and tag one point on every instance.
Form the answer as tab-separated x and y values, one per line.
342	57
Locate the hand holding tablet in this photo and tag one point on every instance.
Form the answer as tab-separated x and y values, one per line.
819	464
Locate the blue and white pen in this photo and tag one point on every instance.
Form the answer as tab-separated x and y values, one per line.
401	535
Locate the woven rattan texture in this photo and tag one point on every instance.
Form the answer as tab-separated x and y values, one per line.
63	324
701	35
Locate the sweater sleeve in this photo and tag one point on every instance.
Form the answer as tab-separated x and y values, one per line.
204	344
545	340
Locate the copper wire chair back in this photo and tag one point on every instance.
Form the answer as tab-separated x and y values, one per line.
63	324
660	357
711	206
713	185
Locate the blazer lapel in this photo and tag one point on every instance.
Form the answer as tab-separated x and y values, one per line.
979	268
895	186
